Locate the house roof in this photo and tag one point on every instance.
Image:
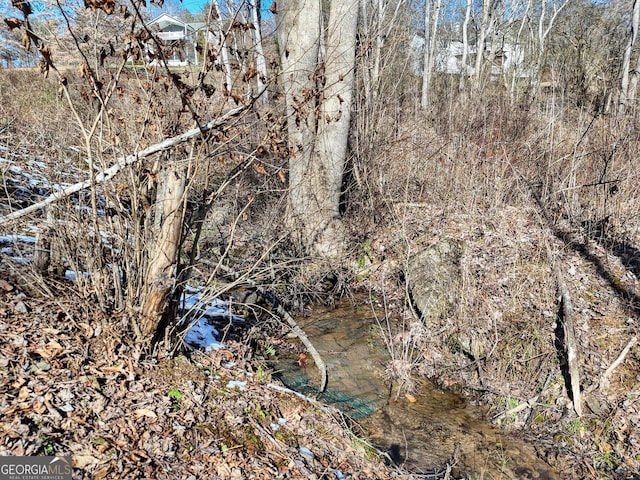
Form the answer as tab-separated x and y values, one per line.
165	20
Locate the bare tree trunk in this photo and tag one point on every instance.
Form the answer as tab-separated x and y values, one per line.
465	44
214	14
633	83
543	32
261	63
430	33
318	98
333	128
486	26
523	22
626	62
299	39
160	273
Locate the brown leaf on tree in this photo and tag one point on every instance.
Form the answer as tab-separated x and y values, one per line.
282	176
13	22
26	41
46	56
23	6
44	68
273	8
250	73
107	6
84	94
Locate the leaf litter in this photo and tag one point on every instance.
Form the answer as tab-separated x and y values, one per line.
71	384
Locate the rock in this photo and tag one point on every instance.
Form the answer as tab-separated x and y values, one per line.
21	307
434	278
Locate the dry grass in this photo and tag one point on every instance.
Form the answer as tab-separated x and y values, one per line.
469	170
472	173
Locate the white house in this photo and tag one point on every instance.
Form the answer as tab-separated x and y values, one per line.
506	57
181	37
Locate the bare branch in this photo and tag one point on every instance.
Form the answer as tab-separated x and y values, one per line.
604	381
112	171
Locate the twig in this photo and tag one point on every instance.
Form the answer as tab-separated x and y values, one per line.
604	381
125	161
518	408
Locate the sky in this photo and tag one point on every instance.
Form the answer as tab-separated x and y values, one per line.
194	6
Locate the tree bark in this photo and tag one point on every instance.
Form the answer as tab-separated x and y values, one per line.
430	35
464	70
333	128
160	275
486	26
261	63
626	62
318	96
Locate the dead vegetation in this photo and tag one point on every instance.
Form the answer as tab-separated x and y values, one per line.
71	384
472	174
481	176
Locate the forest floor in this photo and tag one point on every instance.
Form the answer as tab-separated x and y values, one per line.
71	384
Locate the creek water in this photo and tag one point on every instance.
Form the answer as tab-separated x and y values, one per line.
421	433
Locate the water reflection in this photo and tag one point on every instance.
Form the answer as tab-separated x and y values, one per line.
422	433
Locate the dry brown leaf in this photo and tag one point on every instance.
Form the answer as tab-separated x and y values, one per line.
410	397
50	350
145	412
259	167
23	394
13	22
82	461
114	369
6	286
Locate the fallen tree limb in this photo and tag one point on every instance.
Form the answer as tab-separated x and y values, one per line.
566	318
283	313
568	329
604	381
517	409
123	162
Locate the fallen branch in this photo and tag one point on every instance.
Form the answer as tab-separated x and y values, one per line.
570	344
283	313
123	162
569	335
517	409
604	381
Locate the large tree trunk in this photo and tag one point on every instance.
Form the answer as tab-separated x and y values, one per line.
333	128
318	98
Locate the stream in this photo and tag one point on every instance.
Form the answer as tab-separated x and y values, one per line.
421	432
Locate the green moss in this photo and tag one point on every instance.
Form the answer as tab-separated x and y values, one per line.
287	437
369	451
